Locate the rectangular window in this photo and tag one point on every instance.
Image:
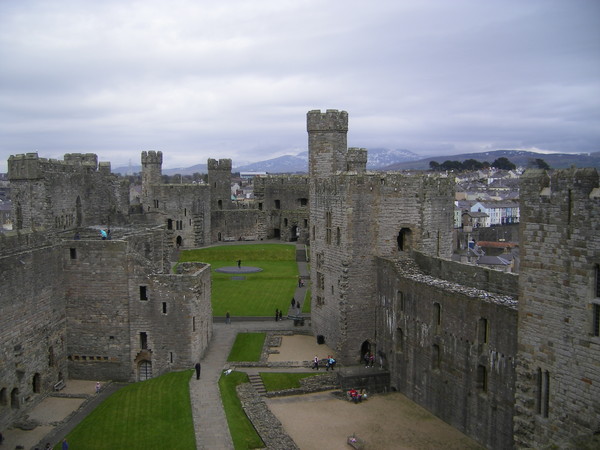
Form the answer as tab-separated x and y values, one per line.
164	307
277	204
143	340
143	295
437	316
193	323
73	253
596	320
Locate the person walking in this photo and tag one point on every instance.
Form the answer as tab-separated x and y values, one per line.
315	362
227	318
197	367
276	314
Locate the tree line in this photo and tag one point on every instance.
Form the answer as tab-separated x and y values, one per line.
501	163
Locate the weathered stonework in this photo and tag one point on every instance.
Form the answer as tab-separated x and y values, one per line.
558	371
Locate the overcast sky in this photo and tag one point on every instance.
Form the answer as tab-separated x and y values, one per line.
235	79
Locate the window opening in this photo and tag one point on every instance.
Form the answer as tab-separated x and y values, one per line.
73	253
143	294
144	340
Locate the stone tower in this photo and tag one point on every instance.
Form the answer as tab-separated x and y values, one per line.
558	370
151	176
327	142
356	216
219	180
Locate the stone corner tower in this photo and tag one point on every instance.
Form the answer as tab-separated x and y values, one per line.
219	180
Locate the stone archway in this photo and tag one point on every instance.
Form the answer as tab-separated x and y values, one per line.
179	241
365	347
144	370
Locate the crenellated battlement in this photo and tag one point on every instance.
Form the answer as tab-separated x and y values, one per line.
221	164
540	185
331	120
356	159
152	157
31	167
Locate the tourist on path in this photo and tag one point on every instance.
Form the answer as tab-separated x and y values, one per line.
227	318
276	314
315	363
239	263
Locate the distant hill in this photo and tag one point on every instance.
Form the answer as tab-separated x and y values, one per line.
518	157
391	160
377	159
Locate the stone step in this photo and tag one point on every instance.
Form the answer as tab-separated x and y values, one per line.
256	382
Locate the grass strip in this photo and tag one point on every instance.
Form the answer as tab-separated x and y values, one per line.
242	431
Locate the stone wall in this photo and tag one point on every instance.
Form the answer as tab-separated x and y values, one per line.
558	376
64	195
450	348
33	344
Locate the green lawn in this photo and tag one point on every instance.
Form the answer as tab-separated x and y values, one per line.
152	414
247	347
259	294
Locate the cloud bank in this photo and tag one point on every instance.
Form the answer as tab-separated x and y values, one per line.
199	79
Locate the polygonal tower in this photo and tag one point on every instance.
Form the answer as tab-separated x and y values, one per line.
219	180
151	174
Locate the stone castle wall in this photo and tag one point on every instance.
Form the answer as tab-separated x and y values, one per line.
558	375
33	335
449	348
63	195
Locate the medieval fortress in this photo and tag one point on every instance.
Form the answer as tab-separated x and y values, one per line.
512	360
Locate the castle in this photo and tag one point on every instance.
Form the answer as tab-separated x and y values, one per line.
511	360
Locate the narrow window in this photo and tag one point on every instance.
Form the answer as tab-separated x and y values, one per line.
546	393
143	295
482	381
3	397
305	223
338	236
73	252
164	307
285	222
596	320
260	206
169	224
437	316
171	356
399	340
435	357
538	391
483	331
277	204
143	340
597	281
51	356
194	323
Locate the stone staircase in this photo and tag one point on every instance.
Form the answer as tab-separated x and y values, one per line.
256	382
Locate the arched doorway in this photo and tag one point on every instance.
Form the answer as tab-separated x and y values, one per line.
144	370
365	347
36	383
404	237
179	241
14	399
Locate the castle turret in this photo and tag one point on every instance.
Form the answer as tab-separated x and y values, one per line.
151	174
327	142
219	180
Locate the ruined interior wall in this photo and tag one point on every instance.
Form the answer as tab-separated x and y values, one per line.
469	275
560	253
436	364
237	223
97	305
32	322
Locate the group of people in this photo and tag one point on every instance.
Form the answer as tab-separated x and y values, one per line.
329	363
356	396
278	315
369	359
